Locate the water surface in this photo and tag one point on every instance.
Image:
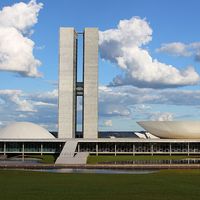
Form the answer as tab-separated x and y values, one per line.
98	171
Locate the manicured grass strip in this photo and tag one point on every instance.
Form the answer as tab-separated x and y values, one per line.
50	159
92	159
165	185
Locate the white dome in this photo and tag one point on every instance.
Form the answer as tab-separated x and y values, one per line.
173	129
24	130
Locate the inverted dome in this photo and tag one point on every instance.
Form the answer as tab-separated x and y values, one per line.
173	129
24	130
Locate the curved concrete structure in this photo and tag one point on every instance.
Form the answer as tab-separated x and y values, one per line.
24	130
173	129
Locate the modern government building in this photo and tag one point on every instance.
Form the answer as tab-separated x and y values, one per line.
73	147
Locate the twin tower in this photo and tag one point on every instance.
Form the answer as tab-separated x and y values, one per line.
70	88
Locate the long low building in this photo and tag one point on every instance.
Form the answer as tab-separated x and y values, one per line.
28	138
101	146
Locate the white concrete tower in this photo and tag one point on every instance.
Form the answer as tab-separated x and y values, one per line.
67	83
90	79
69	88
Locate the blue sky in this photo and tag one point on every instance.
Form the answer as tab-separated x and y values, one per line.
144	79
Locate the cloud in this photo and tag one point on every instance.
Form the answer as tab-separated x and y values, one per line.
108	123
137	103
110	103
197	56
123	102
46	97
15	105
124	46
40	103
116	109
130	95
16	48
175	48
14	98
181	49
166	116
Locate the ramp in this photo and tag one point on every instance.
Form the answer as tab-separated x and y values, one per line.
68	156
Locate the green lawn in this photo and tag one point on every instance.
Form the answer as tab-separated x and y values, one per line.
48	159
92	159
164	185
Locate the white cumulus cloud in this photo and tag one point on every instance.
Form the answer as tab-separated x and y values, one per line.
124	46
175	48
181	49
16	48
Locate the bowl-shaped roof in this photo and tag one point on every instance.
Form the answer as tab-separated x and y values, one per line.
24	130
173	129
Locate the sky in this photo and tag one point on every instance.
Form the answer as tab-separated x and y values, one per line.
149	59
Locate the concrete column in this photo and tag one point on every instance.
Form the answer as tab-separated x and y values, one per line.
152	149
90	105
134	149
97	149
67	83
4	148
41	151
23	151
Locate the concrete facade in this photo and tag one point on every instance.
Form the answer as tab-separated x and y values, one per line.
67	83
69	88
90	104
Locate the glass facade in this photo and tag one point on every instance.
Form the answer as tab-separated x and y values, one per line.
52	147
139	147
194	147
31	147
104	147
1	146
14	147
161	147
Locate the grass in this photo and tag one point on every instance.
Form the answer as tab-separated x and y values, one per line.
93	159
48	159
165	185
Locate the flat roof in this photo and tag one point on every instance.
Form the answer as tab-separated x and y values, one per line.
137	140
